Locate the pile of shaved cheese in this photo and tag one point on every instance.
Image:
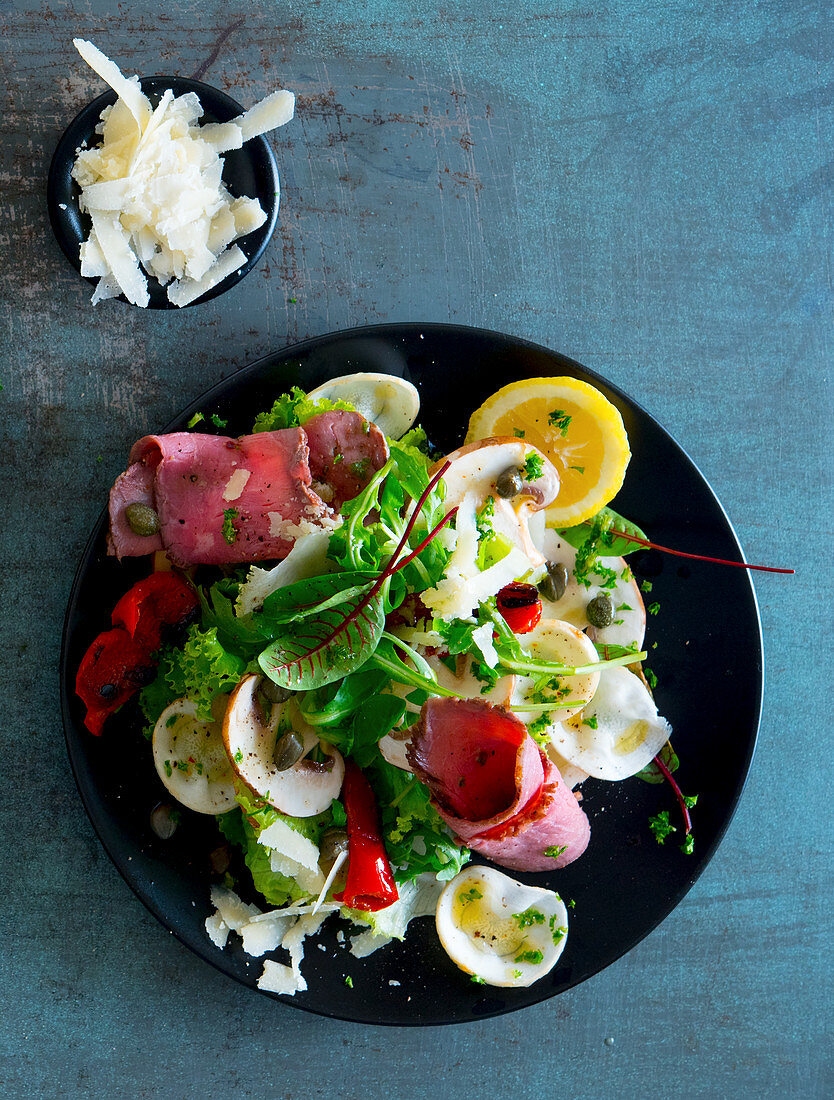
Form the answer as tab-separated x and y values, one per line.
154	192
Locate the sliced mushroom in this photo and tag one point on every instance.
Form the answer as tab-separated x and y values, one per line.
477	469
191	760
390	402
303	790
629	625
553	640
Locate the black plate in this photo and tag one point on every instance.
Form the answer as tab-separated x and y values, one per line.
250	170
709	687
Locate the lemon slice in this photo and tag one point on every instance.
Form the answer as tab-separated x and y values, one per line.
578	429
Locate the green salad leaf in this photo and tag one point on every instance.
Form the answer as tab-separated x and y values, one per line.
294	409
202	669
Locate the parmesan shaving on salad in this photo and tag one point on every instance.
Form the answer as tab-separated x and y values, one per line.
154	193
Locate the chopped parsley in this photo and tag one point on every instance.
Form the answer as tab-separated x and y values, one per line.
625	607
349	982
653	608
661	826
690	800
651	679
533	957
519	433
688	846
557	933
218	421
167	765
593	722
473	894
646	586
529	917
533	467
554	851
360	468
477	980
538	729
572	903
579	469
238	756
196	419
560	419
228	529
516	973
484	518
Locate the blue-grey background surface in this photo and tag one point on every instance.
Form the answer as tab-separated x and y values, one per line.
645	186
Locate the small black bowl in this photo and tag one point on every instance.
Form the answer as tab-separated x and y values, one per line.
250	171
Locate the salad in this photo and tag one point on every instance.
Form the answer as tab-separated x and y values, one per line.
385	671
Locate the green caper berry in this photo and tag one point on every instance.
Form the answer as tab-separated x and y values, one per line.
509	482
289	748
333	842
553	584
142	519
600	611
274	692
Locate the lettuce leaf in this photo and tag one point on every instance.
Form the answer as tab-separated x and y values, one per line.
415	835
200	670
294	409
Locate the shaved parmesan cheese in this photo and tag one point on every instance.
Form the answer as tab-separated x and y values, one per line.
280	978
127	90
274	111
234	912
187	290
236	484
153	189
222	136
218	930
265	935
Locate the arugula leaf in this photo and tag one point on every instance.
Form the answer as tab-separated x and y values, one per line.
243	635
326	707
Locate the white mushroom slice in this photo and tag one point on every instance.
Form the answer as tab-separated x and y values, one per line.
625	730
572	775
305	789
390	402
498	930
553	640
629	626
476	468
191	761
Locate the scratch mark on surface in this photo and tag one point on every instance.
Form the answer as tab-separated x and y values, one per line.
202	69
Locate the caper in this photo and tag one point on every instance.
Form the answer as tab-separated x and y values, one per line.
553	584
289	748
333	842
600	611
142	519
164	820
510	481
274	692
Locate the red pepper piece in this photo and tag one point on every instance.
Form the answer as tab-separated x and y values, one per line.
162	599
370	883
112	669
521	607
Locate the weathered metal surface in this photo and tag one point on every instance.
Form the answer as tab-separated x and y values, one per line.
646	187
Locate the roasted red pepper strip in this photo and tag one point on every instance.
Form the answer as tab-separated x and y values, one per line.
370	884
162	599
112	669
121	660
521	606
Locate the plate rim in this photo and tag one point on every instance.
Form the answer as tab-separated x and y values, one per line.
299	348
